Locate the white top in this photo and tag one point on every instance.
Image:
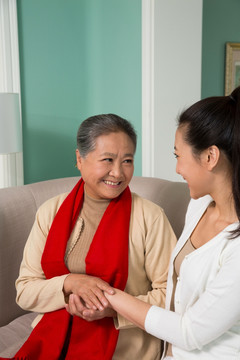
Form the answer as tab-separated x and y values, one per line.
206	321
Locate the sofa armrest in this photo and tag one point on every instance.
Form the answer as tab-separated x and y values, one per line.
18	206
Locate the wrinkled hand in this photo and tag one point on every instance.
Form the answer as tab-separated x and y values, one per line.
89	291
77	308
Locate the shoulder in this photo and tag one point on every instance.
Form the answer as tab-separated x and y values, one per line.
150	226
47	211
54	202
143	209
145	204
197	206
231	246
195	210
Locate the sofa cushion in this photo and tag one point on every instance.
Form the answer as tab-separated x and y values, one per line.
13	335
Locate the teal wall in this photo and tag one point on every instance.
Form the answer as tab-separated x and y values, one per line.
221	24
83	57
77	58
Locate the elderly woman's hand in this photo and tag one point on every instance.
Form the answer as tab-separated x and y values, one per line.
76	307
89	290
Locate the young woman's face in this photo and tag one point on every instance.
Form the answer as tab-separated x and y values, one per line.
192	169
108	169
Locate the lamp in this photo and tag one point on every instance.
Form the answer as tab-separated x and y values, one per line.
10	126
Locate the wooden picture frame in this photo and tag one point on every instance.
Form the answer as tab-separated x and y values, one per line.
232	67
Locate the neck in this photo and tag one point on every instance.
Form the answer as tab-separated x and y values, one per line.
224	202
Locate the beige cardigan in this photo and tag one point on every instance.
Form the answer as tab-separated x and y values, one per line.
151	241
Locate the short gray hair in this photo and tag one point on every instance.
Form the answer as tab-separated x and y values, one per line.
97	125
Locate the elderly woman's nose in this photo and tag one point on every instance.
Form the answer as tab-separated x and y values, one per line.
116	170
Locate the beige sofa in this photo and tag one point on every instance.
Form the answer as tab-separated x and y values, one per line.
18	206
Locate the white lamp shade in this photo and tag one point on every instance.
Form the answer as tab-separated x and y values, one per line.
10	125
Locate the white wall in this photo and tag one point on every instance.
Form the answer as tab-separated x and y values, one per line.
172	40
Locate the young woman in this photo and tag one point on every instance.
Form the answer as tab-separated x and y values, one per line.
202	315
100	233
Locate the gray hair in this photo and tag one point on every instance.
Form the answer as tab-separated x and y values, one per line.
95	126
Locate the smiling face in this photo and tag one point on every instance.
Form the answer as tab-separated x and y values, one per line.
194	170
108	169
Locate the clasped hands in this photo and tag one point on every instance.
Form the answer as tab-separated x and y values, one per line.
86	297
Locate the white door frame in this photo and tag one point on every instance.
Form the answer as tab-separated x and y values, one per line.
148	87
171	77
11	166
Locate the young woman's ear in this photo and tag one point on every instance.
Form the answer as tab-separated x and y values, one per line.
213	154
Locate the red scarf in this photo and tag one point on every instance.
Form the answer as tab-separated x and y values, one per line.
107	258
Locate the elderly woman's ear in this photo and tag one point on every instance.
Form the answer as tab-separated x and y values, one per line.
78	160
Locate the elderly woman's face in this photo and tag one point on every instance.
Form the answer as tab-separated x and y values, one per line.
108	169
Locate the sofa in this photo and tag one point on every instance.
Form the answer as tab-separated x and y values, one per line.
18	206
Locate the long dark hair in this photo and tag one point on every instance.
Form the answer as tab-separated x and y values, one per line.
216	121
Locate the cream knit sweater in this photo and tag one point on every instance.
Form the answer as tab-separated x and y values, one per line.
151	240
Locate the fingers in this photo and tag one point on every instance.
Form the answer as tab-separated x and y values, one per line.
75	306
104	286
91	315
94	299
90	289
96	295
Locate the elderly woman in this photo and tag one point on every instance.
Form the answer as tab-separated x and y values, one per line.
98	234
